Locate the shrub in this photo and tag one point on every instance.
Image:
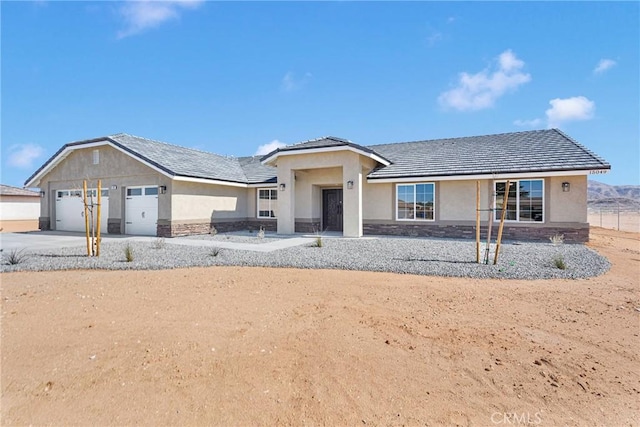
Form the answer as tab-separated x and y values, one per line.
558	261
318	243
128	253
16	256
261	233
213	231
159	243
557	239
215	251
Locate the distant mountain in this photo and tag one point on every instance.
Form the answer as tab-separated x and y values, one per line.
598	190
625	196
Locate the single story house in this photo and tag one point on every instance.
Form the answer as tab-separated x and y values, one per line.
19	208
421	188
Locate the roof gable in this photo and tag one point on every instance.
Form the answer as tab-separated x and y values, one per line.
171	160
323	144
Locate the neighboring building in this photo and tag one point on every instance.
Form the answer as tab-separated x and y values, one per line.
19	209
422	188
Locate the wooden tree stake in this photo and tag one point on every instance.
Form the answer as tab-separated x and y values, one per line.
504	212
478	221
86	215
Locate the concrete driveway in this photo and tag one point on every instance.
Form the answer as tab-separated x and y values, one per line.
43	240
38	240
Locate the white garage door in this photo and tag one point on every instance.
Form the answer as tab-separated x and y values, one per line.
70	210
141	211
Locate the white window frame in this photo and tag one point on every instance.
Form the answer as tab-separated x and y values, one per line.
96	156
498	212
414	201
271	190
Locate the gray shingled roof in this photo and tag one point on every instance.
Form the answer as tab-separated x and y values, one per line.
7	190
531	151
256	172
323	142
182	161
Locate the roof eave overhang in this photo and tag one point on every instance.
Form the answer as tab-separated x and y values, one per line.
499	175
262	185
209	181
271	158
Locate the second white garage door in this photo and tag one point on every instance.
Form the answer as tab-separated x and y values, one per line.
141	211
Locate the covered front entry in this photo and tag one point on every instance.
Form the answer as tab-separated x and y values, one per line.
332	209
320	185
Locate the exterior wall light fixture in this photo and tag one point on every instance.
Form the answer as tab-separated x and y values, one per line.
42	194
349	184
282	186
566	187
163	189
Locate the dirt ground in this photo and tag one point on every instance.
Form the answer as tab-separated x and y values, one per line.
256	346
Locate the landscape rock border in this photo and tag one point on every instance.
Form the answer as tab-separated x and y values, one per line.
422	256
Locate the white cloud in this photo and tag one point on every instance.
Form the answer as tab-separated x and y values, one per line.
569	109
528	123
140	15
267	148
481	90
604	65
290	82
23	155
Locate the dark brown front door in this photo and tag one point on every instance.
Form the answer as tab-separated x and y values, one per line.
332	210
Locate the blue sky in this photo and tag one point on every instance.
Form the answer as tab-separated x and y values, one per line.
238	78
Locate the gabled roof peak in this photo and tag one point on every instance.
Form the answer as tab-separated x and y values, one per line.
324	138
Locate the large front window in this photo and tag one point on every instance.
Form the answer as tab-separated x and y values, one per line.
525	202
267	202
415	202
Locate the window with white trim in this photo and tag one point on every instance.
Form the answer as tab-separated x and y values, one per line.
525	202
267	202
96	157
415	202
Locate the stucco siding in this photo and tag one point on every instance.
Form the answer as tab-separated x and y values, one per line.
455	201
568	206
378	201
78	165
195	201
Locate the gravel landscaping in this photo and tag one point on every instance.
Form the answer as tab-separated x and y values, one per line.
434	257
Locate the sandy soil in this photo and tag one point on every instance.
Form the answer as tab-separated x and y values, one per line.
255	346
18	226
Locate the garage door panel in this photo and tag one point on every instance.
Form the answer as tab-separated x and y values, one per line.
70	210
141	210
